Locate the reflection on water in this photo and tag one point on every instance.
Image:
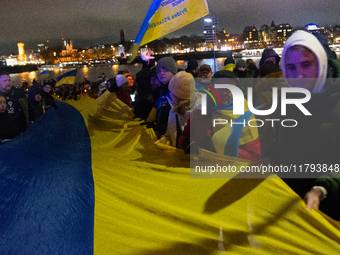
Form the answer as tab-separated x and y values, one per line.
93	72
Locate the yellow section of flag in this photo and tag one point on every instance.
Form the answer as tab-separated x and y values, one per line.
147	202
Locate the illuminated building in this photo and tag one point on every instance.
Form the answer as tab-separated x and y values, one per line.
209	30
314	29
251	37
21	56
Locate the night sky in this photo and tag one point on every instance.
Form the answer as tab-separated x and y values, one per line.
88	22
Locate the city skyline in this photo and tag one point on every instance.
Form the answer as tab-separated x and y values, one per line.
88	23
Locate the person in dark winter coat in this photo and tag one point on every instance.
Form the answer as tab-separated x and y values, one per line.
144	98
36	103
251	67
192	66
48	99
316	138
8	128
245	77
166	69
229	63
17	104
267	68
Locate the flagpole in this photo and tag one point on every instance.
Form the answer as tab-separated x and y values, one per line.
210	20
214	34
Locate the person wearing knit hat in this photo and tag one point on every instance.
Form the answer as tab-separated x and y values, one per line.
241	69
244	76
192	66
166	69
182	92
132	84
182	85
120	86
130	78
168	64
122	81
158	117
205	71
229	63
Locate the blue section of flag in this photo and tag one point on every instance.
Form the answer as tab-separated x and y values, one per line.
46	187
153	8
68	74
233	143
44	72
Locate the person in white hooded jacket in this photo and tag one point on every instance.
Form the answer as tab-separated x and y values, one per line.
313	143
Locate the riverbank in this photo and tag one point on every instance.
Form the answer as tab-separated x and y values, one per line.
187	56
19	69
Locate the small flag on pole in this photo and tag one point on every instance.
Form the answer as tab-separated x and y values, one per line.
43	75
67	78
164	17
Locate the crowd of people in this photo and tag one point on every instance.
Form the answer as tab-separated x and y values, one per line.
169	100
175	112
21	107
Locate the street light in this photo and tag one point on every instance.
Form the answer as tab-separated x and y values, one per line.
209	20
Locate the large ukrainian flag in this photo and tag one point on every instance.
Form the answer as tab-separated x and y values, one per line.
86	178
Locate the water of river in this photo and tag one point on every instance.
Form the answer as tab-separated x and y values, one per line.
92	73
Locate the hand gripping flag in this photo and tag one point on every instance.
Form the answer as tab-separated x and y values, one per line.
164	17
67	78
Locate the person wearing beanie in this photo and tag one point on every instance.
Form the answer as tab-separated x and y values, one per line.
120	86
132	85
245	77
229	63
166	69
205	71
316	138
192	66
182	92
158	117
241	65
